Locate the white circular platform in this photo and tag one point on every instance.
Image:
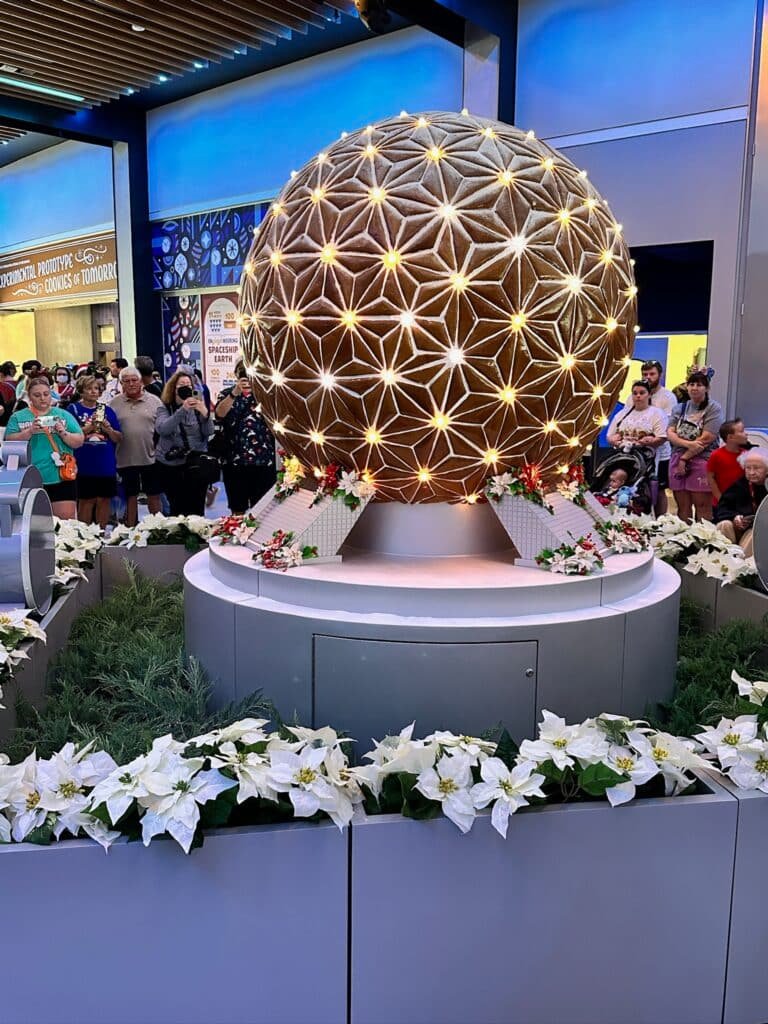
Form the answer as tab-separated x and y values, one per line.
371	643
457	587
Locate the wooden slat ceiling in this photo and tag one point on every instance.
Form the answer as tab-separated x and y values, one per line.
88	48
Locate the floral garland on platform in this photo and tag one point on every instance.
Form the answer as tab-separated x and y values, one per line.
347	486
573	487
280	552
581	558
289	476
236	530
622	536
524	482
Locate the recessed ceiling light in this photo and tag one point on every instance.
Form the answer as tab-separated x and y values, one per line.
162	78
129	91
198	66
138	28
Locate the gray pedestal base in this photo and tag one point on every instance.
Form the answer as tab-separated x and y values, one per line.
463	644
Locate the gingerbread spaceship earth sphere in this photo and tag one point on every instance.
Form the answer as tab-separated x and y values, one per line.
437	298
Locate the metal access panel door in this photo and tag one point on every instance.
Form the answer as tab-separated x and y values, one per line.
373	688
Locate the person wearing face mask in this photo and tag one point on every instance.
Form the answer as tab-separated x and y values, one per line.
249	451
53	435
183	426
65	387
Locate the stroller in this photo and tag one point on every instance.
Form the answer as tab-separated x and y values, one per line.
640	466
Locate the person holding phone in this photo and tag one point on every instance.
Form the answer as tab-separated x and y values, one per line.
52	433
183	425
249	450
96	463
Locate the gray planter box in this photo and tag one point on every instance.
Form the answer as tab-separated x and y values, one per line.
735	602
30	679
746	994
587	914
703	591
159	561
252	928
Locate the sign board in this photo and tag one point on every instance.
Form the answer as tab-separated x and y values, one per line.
221	341
78	268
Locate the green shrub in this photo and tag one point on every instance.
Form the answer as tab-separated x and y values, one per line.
123	679
703	688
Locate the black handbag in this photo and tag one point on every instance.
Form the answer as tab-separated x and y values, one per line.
200	465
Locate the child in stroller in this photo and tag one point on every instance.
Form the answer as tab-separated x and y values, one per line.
626	479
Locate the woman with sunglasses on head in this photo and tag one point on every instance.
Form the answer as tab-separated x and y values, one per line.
693	432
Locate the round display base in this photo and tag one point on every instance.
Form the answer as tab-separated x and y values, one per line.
463	643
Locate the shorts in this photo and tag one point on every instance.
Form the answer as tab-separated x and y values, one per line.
141	479
662	473
66	490
89	487
695	480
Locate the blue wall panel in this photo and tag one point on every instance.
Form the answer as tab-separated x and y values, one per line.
240	142
65	190
584	65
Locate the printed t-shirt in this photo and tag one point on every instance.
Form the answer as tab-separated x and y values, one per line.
724	468
40	450
639	423
96	456
137	425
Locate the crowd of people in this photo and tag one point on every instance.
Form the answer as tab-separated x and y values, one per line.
688	446
103	437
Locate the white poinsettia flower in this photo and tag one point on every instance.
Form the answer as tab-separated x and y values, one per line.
5	829
324	737
498	485
508	789
247	731
474	747
18	619
751	768
64	778
23	801
173	796
729	738
449	783
300	776
675	757
639	767
561	743
755	691
77	821
250	769
121	788
401	753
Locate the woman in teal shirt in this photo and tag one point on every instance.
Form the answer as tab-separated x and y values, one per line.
48	430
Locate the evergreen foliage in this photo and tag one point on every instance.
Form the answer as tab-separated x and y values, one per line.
123	679
704	691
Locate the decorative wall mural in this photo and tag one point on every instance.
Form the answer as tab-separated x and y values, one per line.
203	249
181	332
436	298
